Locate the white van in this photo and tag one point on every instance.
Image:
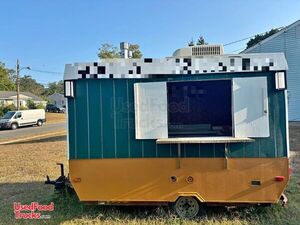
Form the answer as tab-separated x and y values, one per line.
14	119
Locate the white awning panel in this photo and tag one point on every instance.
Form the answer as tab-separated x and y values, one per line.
250	106
151	120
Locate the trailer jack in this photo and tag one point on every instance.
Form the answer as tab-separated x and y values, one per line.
61	182
283	200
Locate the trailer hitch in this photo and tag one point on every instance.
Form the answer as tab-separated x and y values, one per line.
61	182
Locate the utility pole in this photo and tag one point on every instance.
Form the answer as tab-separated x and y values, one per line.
18	85
18	69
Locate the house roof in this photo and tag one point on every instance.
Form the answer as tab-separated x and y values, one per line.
56	94
272	36
10	94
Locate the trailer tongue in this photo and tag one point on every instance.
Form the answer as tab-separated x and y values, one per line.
61	182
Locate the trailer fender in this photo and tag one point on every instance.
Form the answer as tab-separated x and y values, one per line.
190	194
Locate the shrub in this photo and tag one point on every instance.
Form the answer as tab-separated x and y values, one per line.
40	106
6	108
31	104
23	107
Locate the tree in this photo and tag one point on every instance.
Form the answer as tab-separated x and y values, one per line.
5	83
136	52
108	51
201	41
55	87
191	43
260	37
12	75
27	83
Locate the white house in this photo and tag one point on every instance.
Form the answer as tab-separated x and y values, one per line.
57	99
10	97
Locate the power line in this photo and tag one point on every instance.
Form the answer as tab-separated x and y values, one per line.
43	82
233	42
246	38
46	71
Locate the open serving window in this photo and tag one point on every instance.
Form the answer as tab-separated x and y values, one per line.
235	107
199	108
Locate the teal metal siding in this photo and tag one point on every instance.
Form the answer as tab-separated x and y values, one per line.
287	42
71	127
95	125
82	122
108	125
121	118
101	123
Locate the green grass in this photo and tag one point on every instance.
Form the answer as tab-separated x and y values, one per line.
23	181
68	210
275	214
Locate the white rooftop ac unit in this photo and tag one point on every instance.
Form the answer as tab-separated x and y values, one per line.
199	50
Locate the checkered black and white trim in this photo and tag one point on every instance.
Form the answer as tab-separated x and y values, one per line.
149	67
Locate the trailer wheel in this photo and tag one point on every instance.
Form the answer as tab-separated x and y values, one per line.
39	123
187	207
14	126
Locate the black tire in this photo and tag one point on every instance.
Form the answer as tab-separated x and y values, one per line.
14	126
39	123
188	207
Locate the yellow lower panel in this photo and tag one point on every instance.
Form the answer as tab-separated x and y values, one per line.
149	179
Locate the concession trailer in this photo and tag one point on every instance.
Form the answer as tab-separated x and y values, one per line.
191	129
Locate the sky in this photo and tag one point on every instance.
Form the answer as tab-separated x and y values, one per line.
46	35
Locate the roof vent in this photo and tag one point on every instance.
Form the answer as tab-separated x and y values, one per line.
125	53
199	50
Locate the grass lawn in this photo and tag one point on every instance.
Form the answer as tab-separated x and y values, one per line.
55	117
23	167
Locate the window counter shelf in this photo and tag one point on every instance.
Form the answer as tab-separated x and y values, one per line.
202	140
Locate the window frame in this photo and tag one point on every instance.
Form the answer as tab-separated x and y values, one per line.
265	101
231	104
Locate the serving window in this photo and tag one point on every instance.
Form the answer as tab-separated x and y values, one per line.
235	107
199	108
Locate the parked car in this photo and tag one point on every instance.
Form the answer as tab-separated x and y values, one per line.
55	109
14	119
